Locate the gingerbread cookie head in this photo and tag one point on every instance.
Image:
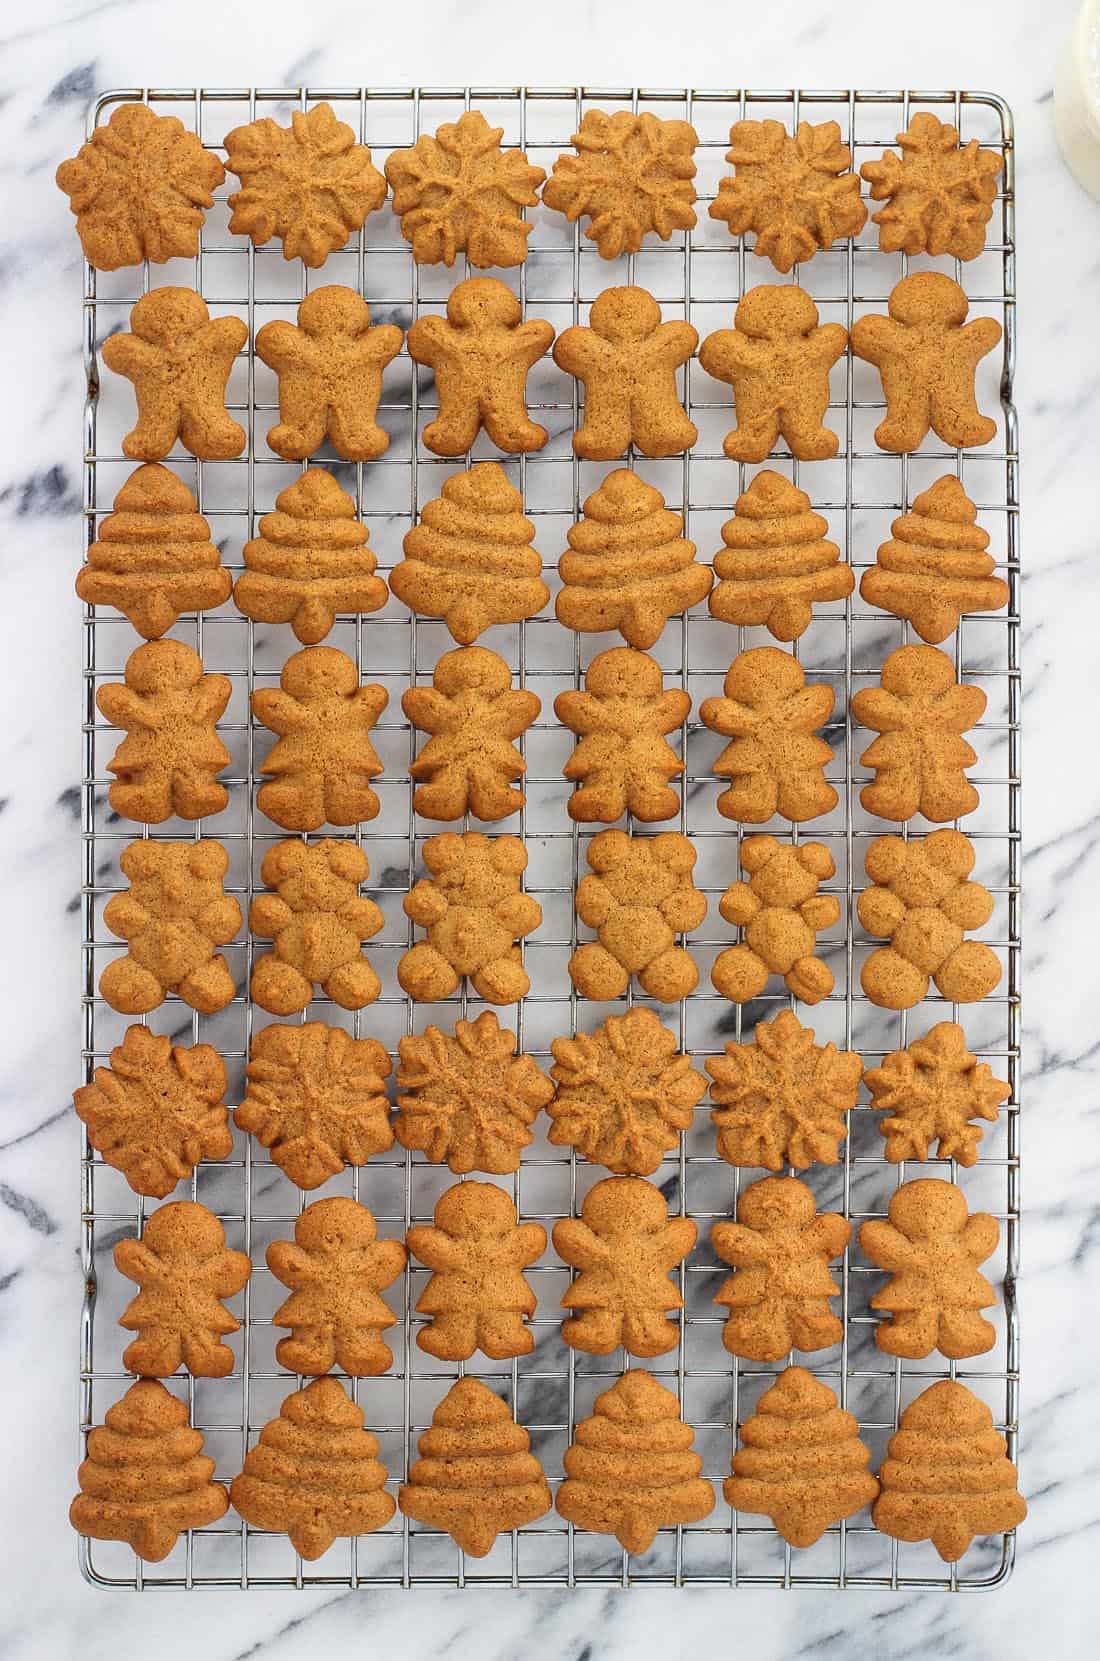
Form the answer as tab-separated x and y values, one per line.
459	191
939	193
795	193
632	174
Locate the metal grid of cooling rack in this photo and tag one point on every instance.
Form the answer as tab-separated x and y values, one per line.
701	275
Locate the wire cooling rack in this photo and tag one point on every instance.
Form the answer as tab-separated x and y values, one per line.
700	275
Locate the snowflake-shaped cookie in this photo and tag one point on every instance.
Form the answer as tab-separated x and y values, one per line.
782	1099
309	184
939	193
632	175
458	191
795	193
930	1092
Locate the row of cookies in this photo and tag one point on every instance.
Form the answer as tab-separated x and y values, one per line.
140	186
776	358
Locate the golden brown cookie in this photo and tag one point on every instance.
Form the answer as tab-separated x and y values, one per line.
310	561
466	1097
781	1099
624	1245
317	1098
931	1092
458	191
777	359
476	1476
632	1468
622	761
178	358
935	566
927	356
172	917
472	712
184	1270
623	1093
628	566
157	1110
153	557
638	897
631	175
320	768
780	1248
478	1294
469	560
795	192
138	189
801	1461
775	762
932	1246
315	1472
330	367
473	911
145	1479
776	561
924	903
627	360
939	193
309	184
168	763
781	913
335	1267
921	711
317	918
480	354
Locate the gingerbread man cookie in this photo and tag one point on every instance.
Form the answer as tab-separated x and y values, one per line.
473	911
638	897
627	359
478	1295
335	1267
169	761
472	712
775	761
184	1270
622	761
782	914
320	769
921	711
933	1246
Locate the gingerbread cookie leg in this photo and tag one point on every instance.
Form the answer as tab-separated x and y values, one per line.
301	429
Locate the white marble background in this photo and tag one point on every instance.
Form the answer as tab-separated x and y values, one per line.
53	56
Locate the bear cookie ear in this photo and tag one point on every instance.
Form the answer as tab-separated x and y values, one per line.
208	859
344	859
285	859
816	858
609	851
443	850
509	855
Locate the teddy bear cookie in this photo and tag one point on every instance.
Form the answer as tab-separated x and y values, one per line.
625	1245
927	356
939	194
781	1099
469	561
316	1097
478	1296
476	1477
775	761
624	1093
921	757
335	1268
329	366
309	184
310	561
473	911
923	902
472	713
935	566
480	355
777	359
627	360
638	897
153	558
317	919
776	562
931	1093
466	1097
458	191
178	359
779	1248
184	1270
173	917
157	1110
320	768
138	189
622	761
168	763
628	566
781	913
794	191
632	174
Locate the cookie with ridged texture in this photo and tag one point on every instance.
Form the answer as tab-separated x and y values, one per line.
775	762
939	194
920	758
473	912
794	191
632	175
459	191
933	1247
478	1297
168	763
185	1271
777	562
139	188
781	914
319	769
622	761
317	919
638	896
627	360
310	561
335	1267
935	566
472	713
173	917
931	1093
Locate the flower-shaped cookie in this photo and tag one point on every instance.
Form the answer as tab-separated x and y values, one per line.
795	193
632	175
457	191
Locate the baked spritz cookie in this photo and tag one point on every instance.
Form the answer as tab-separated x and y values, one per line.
173	917
459	191
627	360
623	762
781	1098
939	194
794	191
169	761
632	175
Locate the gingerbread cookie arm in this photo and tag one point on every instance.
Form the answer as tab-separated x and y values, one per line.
124	707
278	711
980	1235
675	1240
532	340
579	1245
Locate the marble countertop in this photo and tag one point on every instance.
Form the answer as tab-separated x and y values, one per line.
53	57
